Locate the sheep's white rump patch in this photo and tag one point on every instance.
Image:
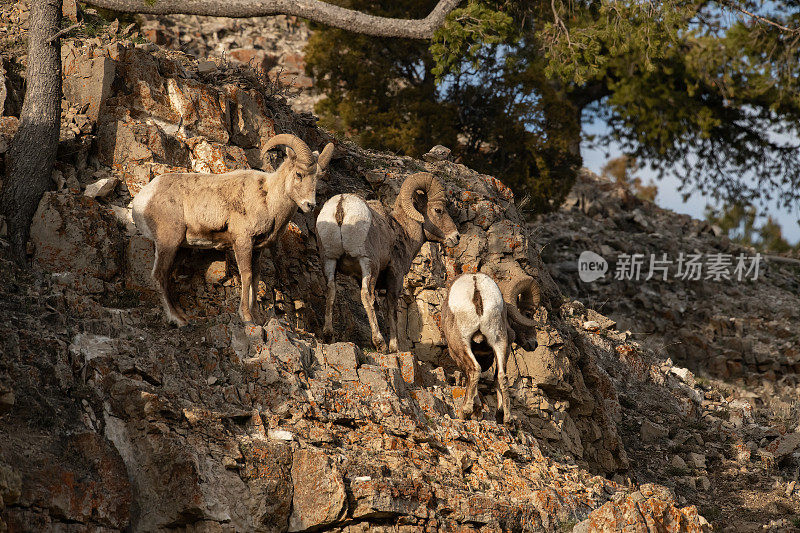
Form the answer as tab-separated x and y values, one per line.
139	205
460	301
351	237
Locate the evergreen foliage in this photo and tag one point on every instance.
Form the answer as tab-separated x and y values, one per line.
738	222
691	87
622	170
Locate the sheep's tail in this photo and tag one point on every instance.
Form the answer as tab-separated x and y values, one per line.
138	207
477	301
339	215
329	228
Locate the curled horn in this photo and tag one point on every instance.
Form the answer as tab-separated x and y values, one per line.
524	286
421	181
325	157
295	143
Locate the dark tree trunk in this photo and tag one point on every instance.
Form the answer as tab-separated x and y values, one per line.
29	161
561	152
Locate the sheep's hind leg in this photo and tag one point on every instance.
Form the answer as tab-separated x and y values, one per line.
243	250
467	362
469	409
256	269
500	348
368	280
180	255
391	305
165	255
329	267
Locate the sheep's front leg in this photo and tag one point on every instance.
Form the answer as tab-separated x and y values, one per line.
256	267
329	267
243	250
368	280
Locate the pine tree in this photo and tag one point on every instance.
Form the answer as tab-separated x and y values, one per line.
683	86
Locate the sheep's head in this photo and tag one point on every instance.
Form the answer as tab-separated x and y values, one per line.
422	199
302	169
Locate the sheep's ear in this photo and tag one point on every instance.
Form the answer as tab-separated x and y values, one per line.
320	172
325	158
291	155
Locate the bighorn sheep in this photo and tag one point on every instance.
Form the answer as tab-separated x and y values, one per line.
476	325
242	209
363	238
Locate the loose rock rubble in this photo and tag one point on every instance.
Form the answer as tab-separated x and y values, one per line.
729	328
738	339
272	45
220	428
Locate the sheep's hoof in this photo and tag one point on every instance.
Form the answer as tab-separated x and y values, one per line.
246	317
380	344
393	347
177	320
470	415
181	314
503	418
327	336
477	412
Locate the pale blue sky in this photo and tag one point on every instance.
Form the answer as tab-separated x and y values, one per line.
668	196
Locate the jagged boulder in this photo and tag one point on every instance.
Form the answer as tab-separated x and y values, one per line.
87	80
160	116
319	496
78	238
644	510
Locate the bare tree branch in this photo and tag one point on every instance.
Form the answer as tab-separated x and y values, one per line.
759	18
64	32
313	10
560	23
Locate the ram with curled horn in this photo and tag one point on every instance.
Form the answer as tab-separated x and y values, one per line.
477	319
243	210
521	293
368	241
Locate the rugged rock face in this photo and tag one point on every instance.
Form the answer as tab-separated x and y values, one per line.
220	428
271	45
643	510
161	116
730	328
739	339
89	249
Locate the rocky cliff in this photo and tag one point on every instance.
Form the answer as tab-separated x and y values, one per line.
112	420
739	336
